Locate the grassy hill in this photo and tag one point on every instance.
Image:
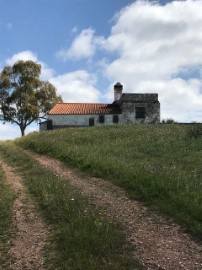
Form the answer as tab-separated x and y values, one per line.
158	164
80	235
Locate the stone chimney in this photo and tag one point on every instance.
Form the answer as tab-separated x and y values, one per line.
118	87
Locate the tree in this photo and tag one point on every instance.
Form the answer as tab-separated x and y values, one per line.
24	98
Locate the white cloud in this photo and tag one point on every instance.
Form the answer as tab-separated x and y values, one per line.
77	86
31	128
46	72
83	46
8	131
155	40
74	29
155	43
180	99
24	56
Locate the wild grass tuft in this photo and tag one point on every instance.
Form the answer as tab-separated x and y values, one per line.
158	164
82	236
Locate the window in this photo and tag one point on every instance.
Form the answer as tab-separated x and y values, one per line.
101	119
91	122
115	118
140	112
49	124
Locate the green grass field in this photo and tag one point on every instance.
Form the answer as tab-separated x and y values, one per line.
80	235
160	165
6	232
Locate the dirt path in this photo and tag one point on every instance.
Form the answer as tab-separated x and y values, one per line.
31	233
160	244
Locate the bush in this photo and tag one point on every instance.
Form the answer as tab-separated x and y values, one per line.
168	121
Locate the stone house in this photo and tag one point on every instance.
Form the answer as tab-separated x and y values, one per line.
126	109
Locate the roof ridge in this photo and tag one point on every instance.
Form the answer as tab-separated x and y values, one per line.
83	103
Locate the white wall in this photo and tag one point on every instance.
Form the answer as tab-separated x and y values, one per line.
81	120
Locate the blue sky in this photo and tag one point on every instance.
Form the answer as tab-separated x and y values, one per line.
85	46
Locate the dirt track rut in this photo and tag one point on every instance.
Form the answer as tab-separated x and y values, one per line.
31	233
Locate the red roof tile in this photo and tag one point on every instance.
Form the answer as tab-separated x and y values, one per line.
83	108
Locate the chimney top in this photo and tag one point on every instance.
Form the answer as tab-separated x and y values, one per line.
118	87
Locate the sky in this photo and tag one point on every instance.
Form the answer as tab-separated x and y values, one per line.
86	46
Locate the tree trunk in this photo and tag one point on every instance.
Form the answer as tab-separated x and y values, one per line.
22	131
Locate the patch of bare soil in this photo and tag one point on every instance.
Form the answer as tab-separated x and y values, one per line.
31	233
158	243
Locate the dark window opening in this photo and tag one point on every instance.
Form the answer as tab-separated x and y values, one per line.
91	122
140	112
101	119
115	118
49	124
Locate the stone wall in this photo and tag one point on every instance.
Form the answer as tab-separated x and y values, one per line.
152	113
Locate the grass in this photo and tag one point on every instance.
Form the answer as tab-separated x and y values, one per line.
6	202
82	237
160	165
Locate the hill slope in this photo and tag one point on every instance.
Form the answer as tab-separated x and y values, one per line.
160	165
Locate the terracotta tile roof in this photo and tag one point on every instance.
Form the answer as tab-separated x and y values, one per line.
84	108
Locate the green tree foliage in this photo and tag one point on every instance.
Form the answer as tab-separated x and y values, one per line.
24	98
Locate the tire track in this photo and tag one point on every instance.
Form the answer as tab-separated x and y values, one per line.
31	233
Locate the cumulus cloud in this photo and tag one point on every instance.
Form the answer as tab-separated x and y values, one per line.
158	47
83	46
24	56
157	40
46	72
154	48
180	99
77	86
8	131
